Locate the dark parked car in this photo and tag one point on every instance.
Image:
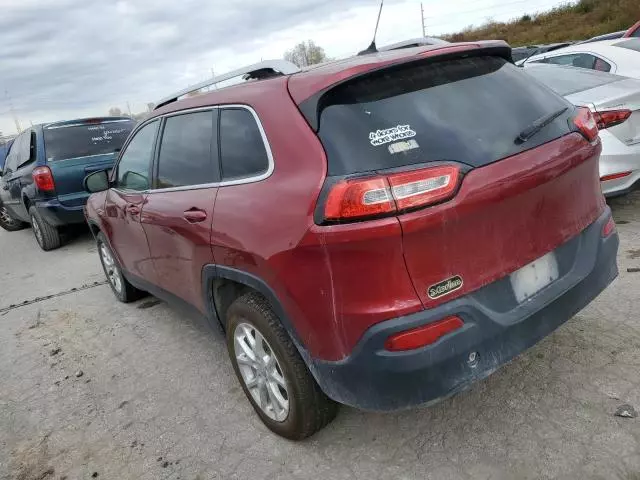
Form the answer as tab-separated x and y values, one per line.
42	178
380	232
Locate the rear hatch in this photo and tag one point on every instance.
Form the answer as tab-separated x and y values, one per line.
512	193
77	148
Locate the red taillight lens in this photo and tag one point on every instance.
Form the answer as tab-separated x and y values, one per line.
586	123
423	187
422	336
611	118
372	196
43	179
608	228
615	176
359	198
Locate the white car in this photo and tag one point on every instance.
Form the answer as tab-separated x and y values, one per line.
620	56
615	103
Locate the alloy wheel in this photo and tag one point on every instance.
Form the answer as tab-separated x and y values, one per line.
5	217
261	372
113	273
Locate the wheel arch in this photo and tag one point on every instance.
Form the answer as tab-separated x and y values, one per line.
222	285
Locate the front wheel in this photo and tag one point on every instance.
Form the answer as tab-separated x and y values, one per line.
122	289
9	223
274	377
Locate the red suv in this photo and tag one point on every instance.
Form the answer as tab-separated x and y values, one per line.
380	231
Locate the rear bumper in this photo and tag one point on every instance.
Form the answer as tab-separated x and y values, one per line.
496	328
56	214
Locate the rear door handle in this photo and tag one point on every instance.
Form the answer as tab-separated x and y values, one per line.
195	215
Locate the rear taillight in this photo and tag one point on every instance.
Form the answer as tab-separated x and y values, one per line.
388	194
608	228
422	336
423	187
586	123
43	179
614	176
611	118
359	198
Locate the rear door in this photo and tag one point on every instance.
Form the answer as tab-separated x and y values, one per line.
75	149
510	200
124	203
178	211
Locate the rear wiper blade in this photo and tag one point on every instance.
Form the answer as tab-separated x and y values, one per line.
538	125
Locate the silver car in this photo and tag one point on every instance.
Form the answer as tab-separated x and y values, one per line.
615	101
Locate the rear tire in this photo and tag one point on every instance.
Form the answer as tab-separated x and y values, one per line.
48	237
293	405
9	223
120	286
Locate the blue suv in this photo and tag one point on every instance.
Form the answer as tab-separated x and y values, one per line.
42	180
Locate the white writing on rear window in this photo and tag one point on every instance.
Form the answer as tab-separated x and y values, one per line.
380	137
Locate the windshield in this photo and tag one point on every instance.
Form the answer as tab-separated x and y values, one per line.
565	81
467	110
85	139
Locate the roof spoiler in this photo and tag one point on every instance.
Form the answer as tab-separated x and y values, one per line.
257	71
310	107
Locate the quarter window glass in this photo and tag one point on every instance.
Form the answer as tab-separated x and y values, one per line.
185	151
133	168
242	150
601	65
578	60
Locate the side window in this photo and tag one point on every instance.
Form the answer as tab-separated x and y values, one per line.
185	151
15	154
27	152
133	168
242	149
579	60
601	65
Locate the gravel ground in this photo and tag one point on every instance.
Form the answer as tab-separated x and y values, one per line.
91	388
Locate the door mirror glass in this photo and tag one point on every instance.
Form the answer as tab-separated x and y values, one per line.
135	181
97	182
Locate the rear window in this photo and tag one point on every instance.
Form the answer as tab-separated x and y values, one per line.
467	110
631	44
85	139
565	81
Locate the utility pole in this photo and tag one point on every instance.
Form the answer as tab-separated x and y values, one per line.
424	30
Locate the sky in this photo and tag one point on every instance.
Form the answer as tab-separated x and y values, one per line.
64	59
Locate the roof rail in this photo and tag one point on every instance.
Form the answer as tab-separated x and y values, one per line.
257	71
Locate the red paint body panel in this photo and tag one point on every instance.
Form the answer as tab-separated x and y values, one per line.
632	32
125	233
179	248
504	216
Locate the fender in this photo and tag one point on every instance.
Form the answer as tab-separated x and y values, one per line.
212	272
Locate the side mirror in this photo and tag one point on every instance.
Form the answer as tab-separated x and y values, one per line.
96	182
